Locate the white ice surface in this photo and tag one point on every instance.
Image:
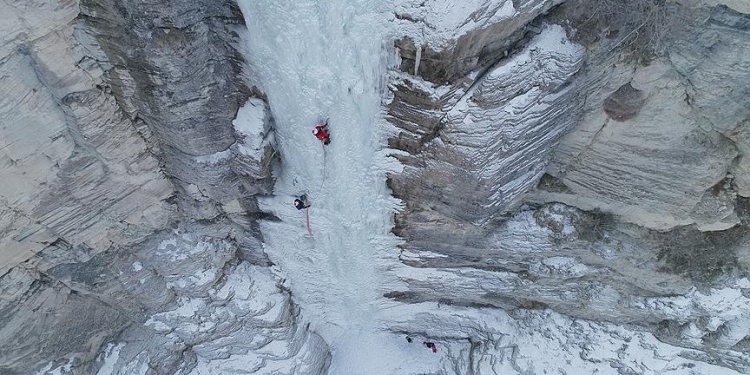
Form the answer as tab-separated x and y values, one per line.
322	60
112	354
50	369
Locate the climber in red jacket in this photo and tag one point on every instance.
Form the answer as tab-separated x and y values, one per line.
321	132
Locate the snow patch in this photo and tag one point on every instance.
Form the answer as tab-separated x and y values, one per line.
250	126
110	357
533	342
66	369
440	22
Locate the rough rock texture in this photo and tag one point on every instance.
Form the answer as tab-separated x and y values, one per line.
738	5
588	266
43	319
492	130
193	305
173	67
78	180
117	132
449	40
653	231
74	167
109	111
660	167
623	104
480	340
723	108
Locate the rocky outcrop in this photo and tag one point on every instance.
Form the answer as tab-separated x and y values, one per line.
479	340
722	108
590	267
623	104
75	169
132	154
738	5
492	130
117	121
44	319
445	41
653	229
187	300
173	68
79	180
665	165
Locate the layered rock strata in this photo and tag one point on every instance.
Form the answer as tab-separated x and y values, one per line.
174	68
665	166
120	120
493	130
75	169
661	186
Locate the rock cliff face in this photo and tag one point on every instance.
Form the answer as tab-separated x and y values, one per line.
651	173
78	181
480	141
173	68
75	170
672	157
468	131
116	126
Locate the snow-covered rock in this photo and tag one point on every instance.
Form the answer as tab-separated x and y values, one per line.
639	155
176	69
476	340
217	315
491	143
665	166
442	40
102	116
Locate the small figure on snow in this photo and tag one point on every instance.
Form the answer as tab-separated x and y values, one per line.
301	202
408	339
430	345
321	132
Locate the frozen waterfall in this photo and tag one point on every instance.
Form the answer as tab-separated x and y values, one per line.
321	60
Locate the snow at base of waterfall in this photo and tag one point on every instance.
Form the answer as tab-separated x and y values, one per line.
241	325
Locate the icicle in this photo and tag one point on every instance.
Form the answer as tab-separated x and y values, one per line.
416	62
